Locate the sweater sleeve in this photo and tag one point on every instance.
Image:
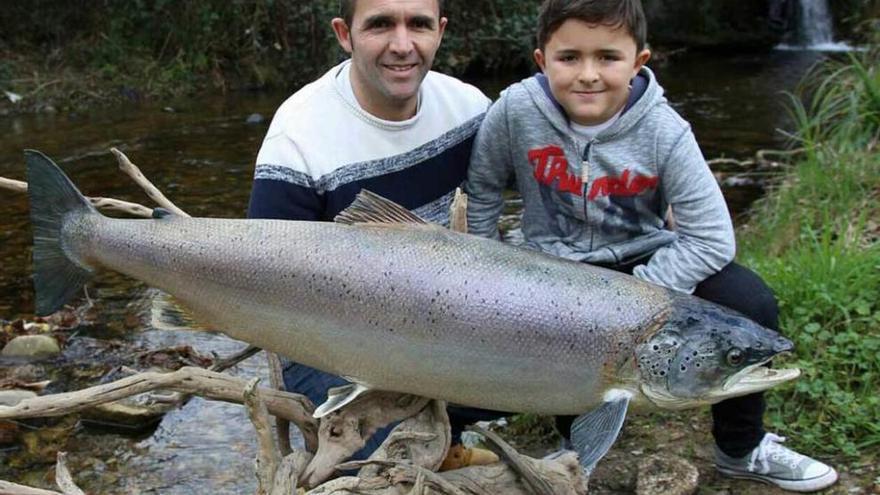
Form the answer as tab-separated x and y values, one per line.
490	166
280	190
706	241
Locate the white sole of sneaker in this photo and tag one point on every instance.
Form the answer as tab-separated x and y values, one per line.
803	486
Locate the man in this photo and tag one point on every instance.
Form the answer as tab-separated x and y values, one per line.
380	121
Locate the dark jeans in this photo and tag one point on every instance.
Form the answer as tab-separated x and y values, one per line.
314	384
739	422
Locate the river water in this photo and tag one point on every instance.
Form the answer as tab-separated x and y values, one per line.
200	152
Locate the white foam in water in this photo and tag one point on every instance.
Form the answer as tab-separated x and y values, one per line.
837	46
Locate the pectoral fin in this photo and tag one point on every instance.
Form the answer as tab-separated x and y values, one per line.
338	397
593	433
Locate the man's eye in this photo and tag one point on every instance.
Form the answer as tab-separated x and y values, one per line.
567	58
422	24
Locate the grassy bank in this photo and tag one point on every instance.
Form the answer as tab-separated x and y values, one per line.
816	240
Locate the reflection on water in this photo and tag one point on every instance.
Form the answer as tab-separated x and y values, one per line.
200	153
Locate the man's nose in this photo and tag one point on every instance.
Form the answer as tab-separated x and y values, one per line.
401	41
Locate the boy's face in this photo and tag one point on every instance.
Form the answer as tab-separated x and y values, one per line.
589	67
392	45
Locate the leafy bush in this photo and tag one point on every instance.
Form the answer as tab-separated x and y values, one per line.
816	241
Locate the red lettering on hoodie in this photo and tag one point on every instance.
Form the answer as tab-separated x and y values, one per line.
623	185
550	165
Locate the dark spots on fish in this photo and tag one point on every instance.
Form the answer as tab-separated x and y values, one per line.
683	368
656	347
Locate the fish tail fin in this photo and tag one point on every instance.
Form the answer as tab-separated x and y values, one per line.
57	277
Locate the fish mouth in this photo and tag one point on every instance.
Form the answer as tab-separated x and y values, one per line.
751	379
756	378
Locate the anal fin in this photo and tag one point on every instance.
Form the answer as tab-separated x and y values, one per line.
593	433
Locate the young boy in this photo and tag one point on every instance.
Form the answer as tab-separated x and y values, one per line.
599	156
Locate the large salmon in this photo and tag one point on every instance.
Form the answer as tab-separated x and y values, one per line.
393	303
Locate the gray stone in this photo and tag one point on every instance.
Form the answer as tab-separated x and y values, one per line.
667	474
254	119
32	346
13	397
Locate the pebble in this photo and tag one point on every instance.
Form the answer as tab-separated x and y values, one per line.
254	119
667	474
32	346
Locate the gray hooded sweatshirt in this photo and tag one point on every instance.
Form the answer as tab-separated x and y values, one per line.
603	201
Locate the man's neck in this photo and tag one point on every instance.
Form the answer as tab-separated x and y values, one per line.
380	106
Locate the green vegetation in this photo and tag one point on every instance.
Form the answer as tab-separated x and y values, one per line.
816	240
65	53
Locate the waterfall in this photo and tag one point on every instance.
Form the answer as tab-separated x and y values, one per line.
813	29
815	23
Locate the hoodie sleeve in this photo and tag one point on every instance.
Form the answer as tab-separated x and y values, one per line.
489	169
706	241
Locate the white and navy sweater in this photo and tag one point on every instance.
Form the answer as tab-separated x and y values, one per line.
322	148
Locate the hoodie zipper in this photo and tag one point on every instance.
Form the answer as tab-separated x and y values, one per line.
585	179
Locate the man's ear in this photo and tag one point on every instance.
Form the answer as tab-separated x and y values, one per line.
539	58
641	59
441	28
342	32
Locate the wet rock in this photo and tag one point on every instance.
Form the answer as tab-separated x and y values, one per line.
667	474
32	346
125	415
13	397
254	119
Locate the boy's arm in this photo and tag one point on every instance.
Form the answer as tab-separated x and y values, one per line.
489	169
706	242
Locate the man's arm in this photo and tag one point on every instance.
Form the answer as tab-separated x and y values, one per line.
706	241
281	189
490	167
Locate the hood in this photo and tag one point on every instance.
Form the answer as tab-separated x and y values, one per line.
646	94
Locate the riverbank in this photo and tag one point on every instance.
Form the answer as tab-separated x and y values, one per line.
815	238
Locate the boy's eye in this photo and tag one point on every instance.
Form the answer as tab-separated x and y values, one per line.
567	58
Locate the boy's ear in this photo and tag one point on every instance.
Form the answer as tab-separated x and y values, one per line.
641	59
342	32
539	58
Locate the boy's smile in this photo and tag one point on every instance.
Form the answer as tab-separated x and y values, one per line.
589	67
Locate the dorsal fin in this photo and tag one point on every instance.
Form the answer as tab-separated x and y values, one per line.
369	207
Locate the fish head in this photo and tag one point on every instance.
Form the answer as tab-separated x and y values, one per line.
704	353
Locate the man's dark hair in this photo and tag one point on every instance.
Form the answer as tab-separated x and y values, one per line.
346	10
615	13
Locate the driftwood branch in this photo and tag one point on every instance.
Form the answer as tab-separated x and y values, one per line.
63	478
268	458
7	488
211	385
106	204
152	191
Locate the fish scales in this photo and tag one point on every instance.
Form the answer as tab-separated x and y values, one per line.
404	308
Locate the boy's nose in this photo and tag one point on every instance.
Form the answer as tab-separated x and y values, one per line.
588	73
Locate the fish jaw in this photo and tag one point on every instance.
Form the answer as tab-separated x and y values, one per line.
752	379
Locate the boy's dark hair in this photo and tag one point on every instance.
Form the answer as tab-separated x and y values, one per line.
626	13
346	10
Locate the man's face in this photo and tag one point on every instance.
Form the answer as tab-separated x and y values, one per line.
589	67
392	45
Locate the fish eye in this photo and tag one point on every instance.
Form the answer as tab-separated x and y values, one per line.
735	356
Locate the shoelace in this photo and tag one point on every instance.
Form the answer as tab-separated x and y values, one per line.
769	447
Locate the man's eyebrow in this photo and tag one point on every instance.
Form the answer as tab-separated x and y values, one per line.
422	20
377	19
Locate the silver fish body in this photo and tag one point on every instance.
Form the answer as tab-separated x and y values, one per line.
417	309
411	307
